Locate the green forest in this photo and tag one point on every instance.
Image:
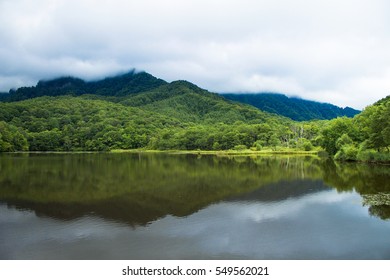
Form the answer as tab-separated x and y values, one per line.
139	111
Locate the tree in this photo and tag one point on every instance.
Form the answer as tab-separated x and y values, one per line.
273	141
333	131
11	138
343	140
346	148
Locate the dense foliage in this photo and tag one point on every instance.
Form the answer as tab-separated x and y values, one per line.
366	137
80	123
74	123
292	107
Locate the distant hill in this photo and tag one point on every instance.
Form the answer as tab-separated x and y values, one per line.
292	107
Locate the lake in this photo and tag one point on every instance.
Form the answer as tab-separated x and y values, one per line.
160	206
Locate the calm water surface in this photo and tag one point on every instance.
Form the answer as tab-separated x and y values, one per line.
157	206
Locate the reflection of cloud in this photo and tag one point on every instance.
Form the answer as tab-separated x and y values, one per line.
23	234
322	225
290	207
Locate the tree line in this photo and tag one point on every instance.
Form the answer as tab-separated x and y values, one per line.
78	124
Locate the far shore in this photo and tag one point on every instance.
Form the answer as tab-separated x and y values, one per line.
221	152
246	152
194	152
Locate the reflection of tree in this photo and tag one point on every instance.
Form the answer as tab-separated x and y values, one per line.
335	178
379	204
138	188
364	178
371	181
380	211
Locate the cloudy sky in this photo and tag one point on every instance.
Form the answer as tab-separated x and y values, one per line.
333	51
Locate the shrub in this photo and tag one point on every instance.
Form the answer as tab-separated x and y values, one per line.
366	155
239	147
348	152
257	145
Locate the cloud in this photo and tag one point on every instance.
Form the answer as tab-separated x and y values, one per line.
297	47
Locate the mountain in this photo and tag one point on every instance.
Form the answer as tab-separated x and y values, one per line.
141	89
181	100
292	107
135	110
138	110
121	85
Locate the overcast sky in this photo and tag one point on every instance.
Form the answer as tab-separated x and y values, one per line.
335	51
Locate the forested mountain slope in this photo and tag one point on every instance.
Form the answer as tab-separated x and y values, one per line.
292	107
189	103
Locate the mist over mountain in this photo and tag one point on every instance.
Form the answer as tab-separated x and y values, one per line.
154	89
121	85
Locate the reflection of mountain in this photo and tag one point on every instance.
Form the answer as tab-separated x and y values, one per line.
142	208
133	210
139	188
283	190
136	189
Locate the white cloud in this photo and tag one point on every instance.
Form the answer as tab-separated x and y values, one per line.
299	47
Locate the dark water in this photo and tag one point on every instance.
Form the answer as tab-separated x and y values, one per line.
157	206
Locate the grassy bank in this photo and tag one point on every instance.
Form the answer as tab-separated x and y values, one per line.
222	152
283	151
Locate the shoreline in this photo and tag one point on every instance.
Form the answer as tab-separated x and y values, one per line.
221	152
248	152
179	152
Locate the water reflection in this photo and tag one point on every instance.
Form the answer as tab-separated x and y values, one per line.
140	188
155	206
371	181
136	189
322	225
